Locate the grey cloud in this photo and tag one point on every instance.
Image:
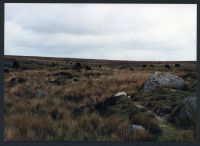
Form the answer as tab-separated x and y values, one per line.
133	32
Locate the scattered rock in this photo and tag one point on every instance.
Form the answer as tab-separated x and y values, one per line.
137	128
120	94
173	90
160	79
184	115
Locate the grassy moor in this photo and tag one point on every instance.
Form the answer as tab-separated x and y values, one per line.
66	99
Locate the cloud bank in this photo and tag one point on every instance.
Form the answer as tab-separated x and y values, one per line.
142	32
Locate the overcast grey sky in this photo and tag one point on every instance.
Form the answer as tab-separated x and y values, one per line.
141	32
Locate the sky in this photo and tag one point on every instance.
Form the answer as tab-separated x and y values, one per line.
138	32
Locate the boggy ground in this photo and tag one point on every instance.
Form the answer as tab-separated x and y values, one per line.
60	99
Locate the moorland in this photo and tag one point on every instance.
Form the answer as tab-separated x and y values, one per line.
68	99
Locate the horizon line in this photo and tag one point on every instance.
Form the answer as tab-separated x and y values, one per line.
97	59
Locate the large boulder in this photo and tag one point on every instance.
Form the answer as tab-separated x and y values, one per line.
160	79
185	114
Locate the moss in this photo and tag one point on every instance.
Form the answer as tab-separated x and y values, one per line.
172	134
161	98
149	123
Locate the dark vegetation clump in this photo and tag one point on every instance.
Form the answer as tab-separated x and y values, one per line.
61	78
177	65
148	123
15	64
167	66
56	115
144	65
16	80
87	67
152	65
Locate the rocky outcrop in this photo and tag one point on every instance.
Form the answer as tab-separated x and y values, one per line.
184	115
160	79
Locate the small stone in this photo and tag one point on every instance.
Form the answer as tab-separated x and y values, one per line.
137	128
120	94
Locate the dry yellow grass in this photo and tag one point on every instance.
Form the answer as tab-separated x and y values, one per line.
47	117
21	103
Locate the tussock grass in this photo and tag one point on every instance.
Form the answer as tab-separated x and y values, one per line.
39	110
151	124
